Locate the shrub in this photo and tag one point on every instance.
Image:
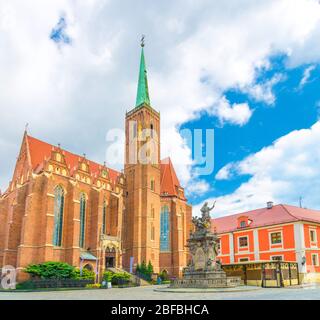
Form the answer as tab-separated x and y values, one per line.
107	276
93	286
51	270
164	275
26	285
119	277
116	278
86	274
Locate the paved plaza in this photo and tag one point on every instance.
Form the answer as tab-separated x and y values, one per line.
148	293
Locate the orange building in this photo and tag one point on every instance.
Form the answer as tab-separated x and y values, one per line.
280	232
61	206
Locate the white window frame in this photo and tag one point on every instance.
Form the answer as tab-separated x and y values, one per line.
313	243
317	260
277	255
243	247
275	244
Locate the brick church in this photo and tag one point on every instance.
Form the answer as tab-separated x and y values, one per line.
61	206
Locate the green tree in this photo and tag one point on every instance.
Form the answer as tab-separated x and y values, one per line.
150	269
143	267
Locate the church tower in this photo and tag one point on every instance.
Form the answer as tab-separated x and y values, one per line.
142	171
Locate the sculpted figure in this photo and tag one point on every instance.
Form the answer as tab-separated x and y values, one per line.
206	210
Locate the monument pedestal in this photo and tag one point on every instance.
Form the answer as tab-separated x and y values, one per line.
206	279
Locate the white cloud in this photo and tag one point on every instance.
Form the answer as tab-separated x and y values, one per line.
263	92
282	173
194	51
225	173
199	187
306	76
238	114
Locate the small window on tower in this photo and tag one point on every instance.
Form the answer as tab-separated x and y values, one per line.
151	129
134	129
152	185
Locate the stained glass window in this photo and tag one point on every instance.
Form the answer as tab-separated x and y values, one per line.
164	229
58	215
82	219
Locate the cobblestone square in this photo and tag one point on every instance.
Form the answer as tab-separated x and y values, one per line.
148	293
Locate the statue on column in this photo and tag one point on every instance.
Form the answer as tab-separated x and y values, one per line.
203	223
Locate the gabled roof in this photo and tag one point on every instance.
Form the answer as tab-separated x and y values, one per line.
169	180
40	151
278	214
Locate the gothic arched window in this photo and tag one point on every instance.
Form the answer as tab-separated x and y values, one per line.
164	229
58	215
83	204
104	218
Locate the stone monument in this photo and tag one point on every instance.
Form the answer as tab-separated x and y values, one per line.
204	270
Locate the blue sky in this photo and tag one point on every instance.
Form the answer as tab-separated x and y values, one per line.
295	108
249	70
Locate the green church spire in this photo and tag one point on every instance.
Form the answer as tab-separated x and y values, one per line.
142	92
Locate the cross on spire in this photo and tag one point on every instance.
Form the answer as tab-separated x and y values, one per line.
142	40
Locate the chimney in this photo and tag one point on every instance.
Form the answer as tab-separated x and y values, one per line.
269	205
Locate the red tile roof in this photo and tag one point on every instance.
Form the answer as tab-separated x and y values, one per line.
278	214
40	151
169	179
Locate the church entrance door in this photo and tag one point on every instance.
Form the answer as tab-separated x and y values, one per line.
110	262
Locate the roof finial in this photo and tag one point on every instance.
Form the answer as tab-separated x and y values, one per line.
142	40
26	127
